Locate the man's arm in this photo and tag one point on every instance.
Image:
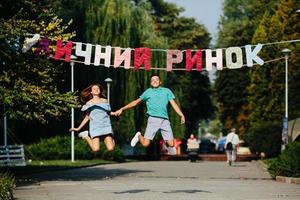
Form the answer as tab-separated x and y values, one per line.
177	110
128	106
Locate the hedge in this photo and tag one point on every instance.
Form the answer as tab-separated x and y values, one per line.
265	137
287	163
59	148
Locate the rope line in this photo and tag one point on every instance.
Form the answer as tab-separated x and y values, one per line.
164	50
164	69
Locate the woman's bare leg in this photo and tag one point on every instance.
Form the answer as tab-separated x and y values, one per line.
109	143
94	143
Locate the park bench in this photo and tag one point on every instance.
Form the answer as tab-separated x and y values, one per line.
12	155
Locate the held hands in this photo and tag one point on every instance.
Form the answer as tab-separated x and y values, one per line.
117	113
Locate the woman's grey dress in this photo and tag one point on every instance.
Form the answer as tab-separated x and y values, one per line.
99	119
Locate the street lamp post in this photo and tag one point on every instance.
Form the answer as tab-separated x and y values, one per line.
5	127
72	109
108	82
286	53
4	119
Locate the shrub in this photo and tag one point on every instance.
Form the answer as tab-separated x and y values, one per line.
116	155
265	137
288	163
7	184
59	148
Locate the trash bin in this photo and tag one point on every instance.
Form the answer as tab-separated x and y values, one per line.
192	150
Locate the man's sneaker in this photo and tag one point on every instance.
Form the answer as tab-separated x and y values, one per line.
172	150
83	134
135	139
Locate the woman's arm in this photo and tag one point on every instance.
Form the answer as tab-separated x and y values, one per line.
84	121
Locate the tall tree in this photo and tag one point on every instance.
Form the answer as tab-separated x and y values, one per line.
29	84
240	19
267	87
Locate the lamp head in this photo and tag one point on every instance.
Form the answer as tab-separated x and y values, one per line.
108	80
286	51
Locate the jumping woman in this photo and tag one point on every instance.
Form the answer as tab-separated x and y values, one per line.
97	112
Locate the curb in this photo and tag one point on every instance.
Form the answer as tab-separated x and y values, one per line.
288	180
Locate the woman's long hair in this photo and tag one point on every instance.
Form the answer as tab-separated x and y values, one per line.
86	95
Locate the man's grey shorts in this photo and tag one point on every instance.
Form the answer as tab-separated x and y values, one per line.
158	124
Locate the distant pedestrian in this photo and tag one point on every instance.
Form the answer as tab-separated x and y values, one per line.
231	145
97	112
192	142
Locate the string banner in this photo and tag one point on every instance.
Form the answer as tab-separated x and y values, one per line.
140	58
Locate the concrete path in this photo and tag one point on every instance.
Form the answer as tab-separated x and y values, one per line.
156	181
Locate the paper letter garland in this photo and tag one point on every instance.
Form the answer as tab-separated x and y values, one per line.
142	56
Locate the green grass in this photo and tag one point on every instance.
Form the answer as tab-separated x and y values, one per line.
39	166
68	163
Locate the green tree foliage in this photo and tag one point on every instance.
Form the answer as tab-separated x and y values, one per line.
237	27
267	88
264	136
28	82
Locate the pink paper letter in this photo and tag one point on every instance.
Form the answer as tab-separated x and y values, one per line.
60	51
119	58
171	59
191	61
142	55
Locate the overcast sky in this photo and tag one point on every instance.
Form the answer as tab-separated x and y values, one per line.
205	12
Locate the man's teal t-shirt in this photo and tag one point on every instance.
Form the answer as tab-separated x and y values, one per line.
157	100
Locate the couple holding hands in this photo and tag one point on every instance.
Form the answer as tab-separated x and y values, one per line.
98	113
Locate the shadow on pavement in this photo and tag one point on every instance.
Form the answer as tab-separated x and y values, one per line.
188	191
83	174
132	191
169	192
238	165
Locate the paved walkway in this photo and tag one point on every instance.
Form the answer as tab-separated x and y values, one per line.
156	181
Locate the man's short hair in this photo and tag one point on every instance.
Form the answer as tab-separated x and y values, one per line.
154	75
